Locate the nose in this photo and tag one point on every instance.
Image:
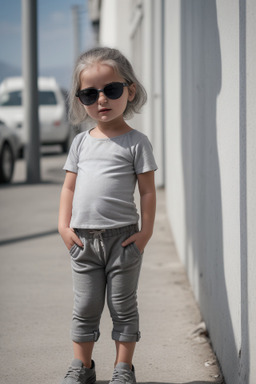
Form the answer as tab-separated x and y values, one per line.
102	98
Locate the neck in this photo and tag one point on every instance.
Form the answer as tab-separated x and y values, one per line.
111	129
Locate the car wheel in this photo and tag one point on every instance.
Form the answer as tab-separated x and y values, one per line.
6	164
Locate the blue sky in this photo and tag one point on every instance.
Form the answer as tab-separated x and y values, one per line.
55	35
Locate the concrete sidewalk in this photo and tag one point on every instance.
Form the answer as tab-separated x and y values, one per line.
36	297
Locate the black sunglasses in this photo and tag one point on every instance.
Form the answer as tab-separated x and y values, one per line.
112	91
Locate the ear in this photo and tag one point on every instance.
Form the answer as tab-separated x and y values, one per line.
131	91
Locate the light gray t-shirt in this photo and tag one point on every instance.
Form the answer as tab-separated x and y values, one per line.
106	178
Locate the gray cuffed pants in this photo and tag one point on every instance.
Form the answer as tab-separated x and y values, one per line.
103	264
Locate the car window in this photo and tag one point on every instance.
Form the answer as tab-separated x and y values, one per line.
15	98
11	99
47	98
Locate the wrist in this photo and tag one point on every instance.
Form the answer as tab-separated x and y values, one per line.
146	233
62	228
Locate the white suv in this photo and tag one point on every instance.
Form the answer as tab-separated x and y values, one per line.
54	126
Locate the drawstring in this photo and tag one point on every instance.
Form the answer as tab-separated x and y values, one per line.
98	240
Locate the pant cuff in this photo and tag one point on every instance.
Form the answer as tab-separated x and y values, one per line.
94	336
126	337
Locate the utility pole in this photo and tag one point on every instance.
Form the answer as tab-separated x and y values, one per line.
30	92
76	31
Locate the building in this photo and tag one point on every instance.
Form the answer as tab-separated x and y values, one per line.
196	59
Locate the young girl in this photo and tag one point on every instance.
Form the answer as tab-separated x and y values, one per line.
98	220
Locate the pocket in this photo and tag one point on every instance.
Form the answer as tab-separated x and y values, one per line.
137	249
75	250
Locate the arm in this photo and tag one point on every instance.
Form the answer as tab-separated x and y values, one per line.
148	207
66	198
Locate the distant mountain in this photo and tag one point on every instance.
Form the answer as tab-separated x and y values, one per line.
63	75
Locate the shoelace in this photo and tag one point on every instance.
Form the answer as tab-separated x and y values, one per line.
123	376
74	372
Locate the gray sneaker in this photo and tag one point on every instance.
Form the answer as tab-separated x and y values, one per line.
79	374
123	374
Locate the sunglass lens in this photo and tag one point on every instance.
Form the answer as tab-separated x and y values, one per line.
89	96
114	90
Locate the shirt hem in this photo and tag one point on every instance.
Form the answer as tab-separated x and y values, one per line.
99	226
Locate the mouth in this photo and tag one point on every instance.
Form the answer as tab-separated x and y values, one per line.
104	110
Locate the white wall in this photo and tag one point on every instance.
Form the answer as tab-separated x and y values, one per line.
115	25
209	152
172	103
249	237
151	57
210	167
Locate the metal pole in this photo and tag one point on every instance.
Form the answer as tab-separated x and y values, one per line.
30	94
76	31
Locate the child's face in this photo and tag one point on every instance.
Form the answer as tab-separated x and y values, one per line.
105	109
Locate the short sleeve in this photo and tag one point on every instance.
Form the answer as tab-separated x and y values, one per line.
144	160
73	155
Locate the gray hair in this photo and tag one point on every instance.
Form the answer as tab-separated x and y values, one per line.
121	65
